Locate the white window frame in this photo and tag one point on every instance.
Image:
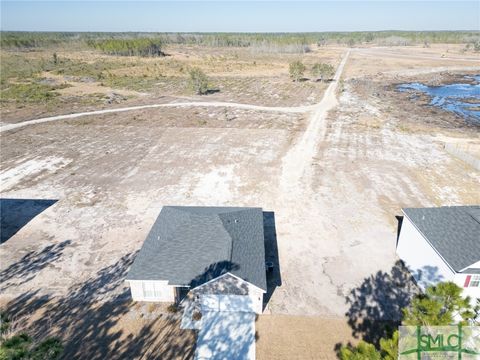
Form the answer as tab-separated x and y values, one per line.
150	290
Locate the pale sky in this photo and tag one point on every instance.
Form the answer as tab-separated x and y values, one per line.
239	16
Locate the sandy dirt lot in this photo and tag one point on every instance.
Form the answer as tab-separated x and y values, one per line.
370	155
300	337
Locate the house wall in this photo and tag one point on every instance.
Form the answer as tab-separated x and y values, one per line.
425	264
460	280
162	292
231	285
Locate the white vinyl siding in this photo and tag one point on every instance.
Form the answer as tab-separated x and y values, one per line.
473	287
152	291
425	264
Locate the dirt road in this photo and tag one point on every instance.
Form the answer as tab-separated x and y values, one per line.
295	109
300	156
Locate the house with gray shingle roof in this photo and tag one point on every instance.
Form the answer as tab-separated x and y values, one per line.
205	250
442	244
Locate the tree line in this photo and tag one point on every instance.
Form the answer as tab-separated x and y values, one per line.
129	47
9	39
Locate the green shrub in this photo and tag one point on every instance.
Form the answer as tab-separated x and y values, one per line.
322	71
476	46
4	323
22	346
30	92
296	70
198	81
363	351
51	348
172	308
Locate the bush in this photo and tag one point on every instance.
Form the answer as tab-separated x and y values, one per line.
4	324
172	308
363	351
197	316
198	81
51	348
476	46
323	71
22	346
296	70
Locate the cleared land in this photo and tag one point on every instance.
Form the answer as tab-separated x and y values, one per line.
335	182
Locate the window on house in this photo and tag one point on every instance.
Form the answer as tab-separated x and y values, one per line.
151	289
475	281
148	289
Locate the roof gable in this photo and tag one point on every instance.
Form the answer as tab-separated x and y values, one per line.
453	231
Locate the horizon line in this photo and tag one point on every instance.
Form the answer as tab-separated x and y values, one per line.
231	32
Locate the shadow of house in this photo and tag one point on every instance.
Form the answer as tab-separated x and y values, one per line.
274	278
376	305
30	264
90	320
213	271
16	213
227	284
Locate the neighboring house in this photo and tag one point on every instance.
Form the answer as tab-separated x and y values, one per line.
442	244
214	251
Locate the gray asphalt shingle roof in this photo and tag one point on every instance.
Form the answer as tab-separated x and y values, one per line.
453	231
190	245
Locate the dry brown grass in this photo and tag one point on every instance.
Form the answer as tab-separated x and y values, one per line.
300	337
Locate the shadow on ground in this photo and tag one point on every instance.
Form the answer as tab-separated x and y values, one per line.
16	213
226	335
31	264
97	320
274	278
376	305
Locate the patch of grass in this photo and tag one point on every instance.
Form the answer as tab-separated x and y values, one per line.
97	70
15	66
33	93
137	83
404	128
